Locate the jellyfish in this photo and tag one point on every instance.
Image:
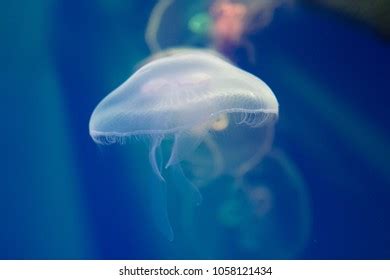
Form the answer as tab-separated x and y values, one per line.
220	24
266	214
183	103
280	221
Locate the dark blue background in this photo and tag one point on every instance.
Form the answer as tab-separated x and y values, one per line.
62	197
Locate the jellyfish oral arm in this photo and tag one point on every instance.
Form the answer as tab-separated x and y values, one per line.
184	144
153	153
186	185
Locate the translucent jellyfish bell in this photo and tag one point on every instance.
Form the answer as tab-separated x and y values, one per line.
182	98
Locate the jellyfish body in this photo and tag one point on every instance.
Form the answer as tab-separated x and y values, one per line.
182	98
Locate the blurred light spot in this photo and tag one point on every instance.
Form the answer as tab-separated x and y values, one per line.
230	214
200	23
261	199
229	21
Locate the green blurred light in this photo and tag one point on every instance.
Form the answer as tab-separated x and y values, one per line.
230	214
200	23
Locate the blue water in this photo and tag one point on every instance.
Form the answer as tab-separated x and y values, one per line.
63	197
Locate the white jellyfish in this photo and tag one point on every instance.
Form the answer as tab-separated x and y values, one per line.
186	101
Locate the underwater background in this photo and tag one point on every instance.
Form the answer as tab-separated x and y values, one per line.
322	192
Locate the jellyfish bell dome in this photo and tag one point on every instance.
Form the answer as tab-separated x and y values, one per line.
175	51
181	97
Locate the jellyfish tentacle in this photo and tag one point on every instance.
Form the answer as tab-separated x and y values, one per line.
184	144
185	184
154	151
158	207
158	195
